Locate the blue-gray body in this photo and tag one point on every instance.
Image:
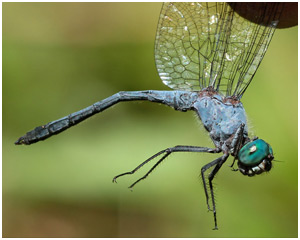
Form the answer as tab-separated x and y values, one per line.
221	116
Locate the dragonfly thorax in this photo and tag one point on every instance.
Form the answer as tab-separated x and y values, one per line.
220	116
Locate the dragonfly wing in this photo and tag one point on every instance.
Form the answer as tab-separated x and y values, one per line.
209	44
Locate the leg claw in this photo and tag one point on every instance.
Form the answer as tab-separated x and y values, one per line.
114	180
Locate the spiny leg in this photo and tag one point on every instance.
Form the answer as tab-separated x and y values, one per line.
167	152
211	176
203	169
139	166
177	149
237	142
146	175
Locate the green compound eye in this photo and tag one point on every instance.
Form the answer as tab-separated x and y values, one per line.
254	152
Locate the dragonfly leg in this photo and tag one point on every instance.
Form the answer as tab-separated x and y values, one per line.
146	175
166	153
139	166
237	142
211	176
203	169
238	139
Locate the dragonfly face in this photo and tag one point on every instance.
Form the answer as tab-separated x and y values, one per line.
255	158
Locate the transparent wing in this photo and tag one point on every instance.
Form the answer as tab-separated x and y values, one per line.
209	44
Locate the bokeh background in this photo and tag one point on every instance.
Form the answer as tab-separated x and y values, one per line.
61	57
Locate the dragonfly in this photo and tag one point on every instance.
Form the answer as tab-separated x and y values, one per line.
207	54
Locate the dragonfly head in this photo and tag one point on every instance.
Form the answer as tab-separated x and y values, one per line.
255	158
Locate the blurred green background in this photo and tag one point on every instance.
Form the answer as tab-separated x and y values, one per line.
61	57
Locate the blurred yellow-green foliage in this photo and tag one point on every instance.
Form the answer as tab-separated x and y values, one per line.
61	57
